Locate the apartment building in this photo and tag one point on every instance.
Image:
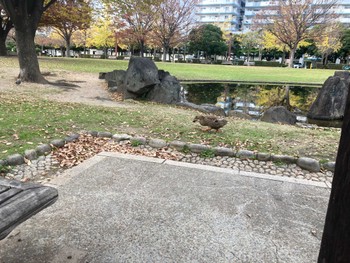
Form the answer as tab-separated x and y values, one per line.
237	15
228	14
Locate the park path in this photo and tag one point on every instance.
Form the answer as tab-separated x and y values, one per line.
64	86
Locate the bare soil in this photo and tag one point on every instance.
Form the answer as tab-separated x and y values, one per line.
63	86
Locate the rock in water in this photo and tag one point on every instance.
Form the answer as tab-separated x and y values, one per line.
331	100
279	114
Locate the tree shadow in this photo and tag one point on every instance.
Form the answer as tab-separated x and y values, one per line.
66	85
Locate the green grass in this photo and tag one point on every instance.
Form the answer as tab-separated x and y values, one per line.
27	120
188	71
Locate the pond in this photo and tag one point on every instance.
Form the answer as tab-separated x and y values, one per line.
252	99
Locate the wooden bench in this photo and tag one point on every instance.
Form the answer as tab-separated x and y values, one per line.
20	201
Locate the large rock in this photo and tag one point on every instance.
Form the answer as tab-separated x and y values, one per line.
115	80
141	76
168	91
279	114
142	80
331	99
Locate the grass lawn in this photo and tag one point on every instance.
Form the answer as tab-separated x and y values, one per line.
27	119
188	71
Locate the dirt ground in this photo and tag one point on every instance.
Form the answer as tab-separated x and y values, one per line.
64	86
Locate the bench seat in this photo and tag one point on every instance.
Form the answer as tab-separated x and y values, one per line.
20	201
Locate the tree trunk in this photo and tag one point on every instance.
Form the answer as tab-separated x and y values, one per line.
142	48
3	49
28	60
165	52
291	57
68	48
336	234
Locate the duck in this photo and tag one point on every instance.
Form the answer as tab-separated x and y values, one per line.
213	122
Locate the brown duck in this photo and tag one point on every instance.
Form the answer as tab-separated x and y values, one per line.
213	122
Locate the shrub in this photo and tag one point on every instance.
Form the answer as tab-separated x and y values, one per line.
120	58
268	64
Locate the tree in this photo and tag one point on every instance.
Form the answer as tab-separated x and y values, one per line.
209	39
25	15
345	49
249	42
139	17
102	35
6	26
293	21
173	22
336	234
328	41
67	17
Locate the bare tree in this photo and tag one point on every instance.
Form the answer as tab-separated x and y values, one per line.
175	18
139	18
25	15
293	21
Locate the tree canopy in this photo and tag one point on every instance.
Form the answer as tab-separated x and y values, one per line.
209	39
293	21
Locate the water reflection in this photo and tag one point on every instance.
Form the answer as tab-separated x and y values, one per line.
252	99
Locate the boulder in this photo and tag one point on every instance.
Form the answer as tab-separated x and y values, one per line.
142	80
141	76
115	80
279	114
168	91
331	99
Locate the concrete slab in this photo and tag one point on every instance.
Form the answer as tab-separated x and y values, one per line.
118	208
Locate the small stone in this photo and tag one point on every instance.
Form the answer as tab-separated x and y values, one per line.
15	159
121	137
72	137
3	163
58	143
43	149
30	154
263	157
157	143
177	145
104	134
198	148
330	166
93	133
138	140
223	151
309	164
245	154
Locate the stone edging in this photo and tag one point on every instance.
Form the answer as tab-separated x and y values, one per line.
305	163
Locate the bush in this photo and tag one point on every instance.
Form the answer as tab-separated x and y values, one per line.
120	58
103	56
157	59
85	56
329	66
268	64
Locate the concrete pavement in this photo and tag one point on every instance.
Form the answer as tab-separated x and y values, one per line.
122	208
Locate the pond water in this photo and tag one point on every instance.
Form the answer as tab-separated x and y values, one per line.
252	99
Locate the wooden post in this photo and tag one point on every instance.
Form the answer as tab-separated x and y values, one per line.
335	245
